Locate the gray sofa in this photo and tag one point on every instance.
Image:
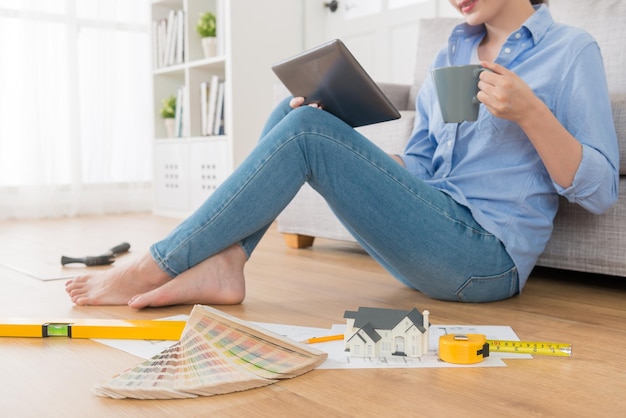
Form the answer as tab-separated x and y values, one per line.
581	241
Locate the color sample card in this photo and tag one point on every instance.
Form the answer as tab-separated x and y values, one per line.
217	354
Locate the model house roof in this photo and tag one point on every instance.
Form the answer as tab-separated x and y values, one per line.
371	332
380	318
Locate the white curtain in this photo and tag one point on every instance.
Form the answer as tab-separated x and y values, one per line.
75	107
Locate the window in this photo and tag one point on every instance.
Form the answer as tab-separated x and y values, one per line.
75	119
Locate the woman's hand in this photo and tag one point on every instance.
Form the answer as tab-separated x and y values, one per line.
296	102
507	96
504	93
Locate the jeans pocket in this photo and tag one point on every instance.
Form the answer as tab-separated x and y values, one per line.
489	288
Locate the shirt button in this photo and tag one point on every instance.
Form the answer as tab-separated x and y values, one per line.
507	50
518	35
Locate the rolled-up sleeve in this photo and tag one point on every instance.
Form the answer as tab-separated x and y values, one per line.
584	108
595	185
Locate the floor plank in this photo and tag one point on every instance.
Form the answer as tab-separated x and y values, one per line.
313	287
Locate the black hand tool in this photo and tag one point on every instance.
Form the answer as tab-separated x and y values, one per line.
98	260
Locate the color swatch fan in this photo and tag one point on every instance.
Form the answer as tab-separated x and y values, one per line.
216	354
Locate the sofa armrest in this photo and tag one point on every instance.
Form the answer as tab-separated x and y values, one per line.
398	94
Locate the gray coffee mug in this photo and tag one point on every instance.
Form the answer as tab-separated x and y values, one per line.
457	87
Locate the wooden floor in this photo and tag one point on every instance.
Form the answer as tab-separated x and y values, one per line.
313	287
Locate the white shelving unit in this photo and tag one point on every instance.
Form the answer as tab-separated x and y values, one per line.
252	36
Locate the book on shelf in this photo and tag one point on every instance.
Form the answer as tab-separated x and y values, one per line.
212	106
180	37
204	100
217	353
168	39
171	37
180	113
218	126
159	33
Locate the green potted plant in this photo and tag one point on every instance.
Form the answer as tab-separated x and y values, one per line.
168	113
207	29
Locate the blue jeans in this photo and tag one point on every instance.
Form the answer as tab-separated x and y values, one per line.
416	232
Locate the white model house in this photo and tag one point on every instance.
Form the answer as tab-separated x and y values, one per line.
377	332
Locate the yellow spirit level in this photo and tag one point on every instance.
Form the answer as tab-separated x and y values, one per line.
93	328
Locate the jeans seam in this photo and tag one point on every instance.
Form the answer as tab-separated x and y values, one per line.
472	279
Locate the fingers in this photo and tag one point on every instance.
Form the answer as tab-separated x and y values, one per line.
496	68
296	102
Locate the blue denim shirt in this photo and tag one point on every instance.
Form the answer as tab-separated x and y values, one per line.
490	165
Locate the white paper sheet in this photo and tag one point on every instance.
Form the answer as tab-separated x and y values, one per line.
339	359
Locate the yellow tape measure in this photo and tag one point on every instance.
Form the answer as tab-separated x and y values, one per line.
530	347
473	348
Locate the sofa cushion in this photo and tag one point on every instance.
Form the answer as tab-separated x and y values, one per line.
391	136
604	20
583	241
432	36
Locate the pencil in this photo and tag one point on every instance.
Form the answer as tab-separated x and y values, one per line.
323	339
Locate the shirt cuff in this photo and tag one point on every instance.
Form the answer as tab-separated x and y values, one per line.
593	183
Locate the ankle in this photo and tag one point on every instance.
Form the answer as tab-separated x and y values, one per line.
235	254
232	296
147	268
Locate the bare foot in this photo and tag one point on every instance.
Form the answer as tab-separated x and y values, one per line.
218	280
118	285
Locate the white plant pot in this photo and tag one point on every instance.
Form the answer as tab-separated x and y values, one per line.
209	45
169	126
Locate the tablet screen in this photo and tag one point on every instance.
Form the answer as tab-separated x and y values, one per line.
330	76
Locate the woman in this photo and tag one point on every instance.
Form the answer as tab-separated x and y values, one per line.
462	215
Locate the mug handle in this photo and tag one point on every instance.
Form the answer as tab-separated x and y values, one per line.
477	72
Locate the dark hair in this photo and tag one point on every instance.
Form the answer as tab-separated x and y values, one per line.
539	1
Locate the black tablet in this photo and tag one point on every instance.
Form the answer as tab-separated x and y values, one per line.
330	76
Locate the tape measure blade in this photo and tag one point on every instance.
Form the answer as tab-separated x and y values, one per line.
530	347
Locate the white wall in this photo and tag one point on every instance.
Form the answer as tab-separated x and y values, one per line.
382	34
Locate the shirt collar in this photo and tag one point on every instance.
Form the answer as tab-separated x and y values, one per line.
537	25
